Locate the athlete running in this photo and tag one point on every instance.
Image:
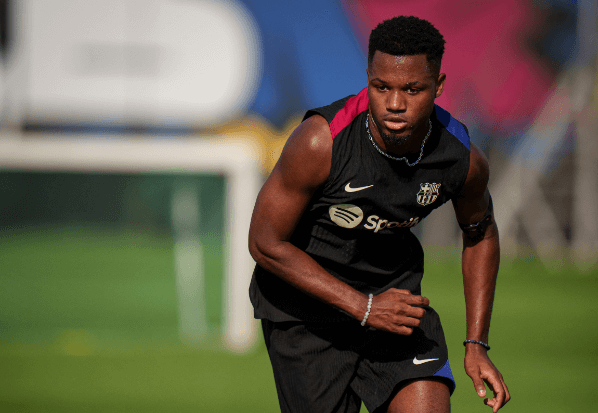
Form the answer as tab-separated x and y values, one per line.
337	283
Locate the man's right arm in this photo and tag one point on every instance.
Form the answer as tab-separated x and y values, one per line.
302	168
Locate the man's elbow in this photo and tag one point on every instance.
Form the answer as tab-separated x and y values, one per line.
254	249
260	250
266	252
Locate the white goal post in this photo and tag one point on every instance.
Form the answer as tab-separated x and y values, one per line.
235	159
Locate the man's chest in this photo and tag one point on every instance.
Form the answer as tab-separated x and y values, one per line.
378	199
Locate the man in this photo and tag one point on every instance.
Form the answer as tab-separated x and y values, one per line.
337	281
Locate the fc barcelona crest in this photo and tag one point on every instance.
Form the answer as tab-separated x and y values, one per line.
427	193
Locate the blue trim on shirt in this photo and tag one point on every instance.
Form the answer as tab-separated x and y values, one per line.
453	126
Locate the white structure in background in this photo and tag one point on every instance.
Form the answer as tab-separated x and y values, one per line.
189	263
151	63
585	186
148	62
235	160
518	187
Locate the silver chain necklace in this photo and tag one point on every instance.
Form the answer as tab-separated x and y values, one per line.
404	158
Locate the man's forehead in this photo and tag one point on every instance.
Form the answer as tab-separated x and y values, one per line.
400	59
380	57
385	61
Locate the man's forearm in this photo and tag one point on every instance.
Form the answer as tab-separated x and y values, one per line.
480	261
301	271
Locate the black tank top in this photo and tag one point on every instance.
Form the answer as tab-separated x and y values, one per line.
358	224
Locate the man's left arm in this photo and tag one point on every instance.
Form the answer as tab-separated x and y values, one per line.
480	259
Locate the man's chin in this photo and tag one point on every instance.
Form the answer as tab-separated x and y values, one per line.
395	140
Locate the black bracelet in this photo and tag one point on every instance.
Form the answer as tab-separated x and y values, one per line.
481	343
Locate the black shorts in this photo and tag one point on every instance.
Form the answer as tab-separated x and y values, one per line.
332	367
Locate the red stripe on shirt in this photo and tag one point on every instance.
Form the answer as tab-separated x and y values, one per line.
353	107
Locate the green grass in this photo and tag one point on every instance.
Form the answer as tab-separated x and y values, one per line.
167	379
88	323
106	281
543	334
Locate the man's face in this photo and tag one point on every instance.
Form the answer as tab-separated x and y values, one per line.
401	92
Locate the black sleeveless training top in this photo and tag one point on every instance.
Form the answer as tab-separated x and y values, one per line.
358	224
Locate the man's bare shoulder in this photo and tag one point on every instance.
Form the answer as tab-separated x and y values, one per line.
311	136
307	154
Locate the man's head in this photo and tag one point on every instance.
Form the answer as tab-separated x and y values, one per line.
407	36
403	80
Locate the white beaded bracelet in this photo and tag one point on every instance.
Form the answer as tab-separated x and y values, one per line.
367	313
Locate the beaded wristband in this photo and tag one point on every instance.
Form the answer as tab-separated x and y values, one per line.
481	343
367	313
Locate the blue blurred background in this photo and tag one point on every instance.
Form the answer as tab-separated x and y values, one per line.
135	134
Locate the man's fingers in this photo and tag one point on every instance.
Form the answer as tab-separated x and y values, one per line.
403	330
496	385
397	311
491	403
416	300
478	383
494	403
410	322
419	301
415	312
410	298
481	371
504	385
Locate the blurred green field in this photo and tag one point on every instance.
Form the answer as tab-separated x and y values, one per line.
88	323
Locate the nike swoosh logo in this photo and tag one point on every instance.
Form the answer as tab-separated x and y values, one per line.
416	361
349	189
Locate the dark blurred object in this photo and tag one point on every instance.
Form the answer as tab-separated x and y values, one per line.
555	36
4	29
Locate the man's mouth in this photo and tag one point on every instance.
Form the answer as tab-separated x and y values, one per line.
395	124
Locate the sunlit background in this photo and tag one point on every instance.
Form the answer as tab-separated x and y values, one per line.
135	135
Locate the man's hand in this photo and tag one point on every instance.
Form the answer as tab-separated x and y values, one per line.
397	311
480	369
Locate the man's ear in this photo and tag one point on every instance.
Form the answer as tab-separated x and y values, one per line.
440	84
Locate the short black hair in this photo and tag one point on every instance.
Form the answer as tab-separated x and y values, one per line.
407	36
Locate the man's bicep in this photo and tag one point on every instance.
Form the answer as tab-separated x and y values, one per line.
472	203
303	167
278	208
471	209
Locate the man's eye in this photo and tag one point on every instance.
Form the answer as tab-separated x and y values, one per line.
382	88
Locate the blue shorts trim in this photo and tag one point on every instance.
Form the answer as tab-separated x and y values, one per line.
446	372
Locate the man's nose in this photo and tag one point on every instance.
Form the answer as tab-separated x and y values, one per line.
396	102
